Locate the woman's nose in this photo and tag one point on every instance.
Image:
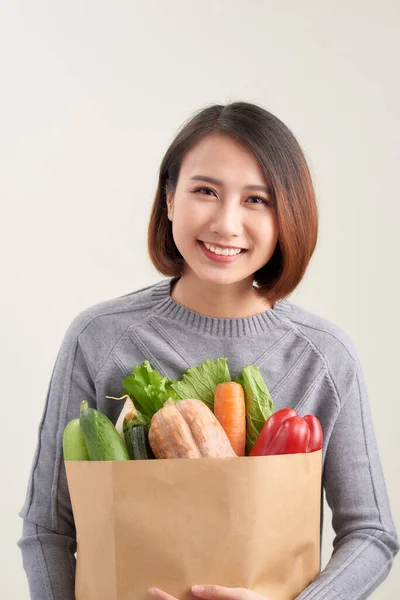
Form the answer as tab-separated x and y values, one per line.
227	221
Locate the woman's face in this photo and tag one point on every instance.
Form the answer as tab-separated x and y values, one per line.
224	214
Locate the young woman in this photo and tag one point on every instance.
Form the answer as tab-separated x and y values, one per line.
233	227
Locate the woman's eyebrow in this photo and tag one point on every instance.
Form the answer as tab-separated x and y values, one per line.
219	182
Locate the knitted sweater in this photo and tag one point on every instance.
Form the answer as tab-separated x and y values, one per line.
307	362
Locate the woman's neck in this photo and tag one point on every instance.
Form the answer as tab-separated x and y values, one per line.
221	301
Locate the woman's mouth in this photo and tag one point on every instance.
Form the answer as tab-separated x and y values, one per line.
220	254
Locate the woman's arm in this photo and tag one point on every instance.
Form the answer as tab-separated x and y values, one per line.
48	542
366	540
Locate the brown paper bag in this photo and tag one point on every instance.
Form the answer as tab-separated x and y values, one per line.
250	522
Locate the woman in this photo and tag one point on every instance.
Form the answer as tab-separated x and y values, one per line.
233	228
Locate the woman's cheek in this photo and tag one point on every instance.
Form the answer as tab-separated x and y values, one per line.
196	220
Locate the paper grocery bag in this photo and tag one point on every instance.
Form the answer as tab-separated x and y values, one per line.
250	522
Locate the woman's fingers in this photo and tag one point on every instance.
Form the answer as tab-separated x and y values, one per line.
210	592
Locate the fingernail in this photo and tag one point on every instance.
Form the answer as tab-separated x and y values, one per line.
197	589
153	592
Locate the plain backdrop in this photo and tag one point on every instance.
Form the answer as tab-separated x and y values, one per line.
92	94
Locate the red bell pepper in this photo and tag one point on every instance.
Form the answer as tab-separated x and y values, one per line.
314	425
285	432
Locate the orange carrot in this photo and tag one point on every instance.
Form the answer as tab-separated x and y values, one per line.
230	410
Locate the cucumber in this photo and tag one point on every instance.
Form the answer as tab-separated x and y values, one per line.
74	445
135	427
102	439
137	442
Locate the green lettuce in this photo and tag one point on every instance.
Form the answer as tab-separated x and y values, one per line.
148	389
259	404
200	382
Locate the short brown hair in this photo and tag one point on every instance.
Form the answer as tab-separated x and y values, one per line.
286	170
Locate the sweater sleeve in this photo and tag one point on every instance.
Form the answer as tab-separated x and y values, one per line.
366	540
48	541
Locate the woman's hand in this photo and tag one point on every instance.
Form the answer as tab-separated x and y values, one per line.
212	592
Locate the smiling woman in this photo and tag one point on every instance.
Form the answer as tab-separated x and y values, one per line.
233	227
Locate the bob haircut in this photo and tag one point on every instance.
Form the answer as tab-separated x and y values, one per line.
285	168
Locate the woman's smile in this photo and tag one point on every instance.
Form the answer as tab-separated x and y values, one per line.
219	254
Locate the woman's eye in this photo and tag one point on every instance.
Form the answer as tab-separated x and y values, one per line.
204	188
260	200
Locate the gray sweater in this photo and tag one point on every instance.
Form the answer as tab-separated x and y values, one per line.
308	364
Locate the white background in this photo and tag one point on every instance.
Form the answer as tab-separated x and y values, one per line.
93	92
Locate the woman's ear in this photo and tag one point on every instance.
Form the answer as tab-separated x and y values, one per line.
170	206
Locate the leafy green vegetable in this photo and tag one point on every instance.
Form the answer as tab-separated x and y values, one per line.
259	404
148	389
200	382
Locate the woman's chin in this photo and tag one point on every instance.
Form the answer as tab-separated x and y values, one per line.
209	277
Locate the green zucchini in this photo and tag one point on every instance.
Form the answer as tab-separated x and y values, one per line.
74	445
102	439
136	429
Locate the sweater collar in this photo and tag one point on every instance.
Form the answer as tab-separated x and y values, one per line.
253	326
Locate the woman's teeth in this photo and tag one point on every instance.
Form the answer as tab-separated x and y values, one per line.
222	251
